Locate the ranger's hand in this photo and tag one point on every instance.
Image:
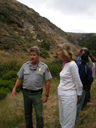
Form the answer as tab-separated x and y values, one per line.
13	93
44	99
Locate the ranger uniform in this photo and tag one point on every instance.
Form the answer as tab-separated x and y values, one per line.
33	77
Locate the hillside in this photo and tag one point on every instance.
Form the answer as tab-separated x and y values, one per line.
22	27
85	40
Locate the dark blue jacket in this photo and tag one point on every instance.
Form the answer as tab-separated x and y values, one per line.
85	73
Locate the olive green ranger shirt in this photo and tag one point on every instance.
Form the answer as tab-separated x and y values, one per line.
34	76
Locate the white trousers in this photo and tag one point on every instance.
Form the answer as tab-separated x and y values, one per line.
67	110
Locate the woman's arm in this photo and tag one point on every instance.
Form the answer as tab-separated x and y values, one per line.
76	78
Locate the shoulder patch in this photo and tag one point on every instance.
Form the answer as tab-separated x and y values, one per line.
47	69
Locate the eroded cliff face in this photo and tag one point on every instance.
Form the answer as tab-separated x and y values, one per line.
21	27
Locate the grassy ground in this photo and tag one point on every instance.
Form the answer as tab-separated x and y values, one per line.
12	111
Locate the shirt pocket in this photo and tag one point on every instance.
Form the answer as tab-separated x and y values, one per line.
39	76
26	75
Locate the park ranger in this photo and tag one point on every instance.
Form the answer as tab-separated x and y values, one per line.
33	73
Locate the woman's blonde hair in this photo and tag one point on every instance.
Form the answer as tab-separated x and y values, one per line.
66	51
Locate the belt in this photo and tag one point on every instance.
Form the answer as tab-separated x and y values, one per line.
33	91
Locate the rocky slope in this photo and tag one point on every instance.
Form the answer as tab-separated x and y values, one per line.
21	27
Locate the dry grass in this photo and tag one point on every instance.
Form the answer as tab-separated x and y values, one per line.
22	57
12	111
87	116
18	56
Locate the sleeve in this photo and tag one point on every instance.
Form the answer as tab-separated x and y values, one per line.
90	78
77	60
20	73
90	64
93	70
76	78
47	74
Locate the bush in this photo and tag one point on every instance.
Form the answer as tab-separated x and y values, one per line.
6	83
45	45
9	75
2	18
11	87
8	66
44	53
55	68
7	90
3	93
14	79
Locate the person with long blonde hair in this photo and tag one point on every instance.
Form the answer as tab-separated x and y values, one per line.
70	87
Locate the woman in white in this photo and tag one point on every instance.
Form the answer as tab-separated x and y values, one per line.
70	87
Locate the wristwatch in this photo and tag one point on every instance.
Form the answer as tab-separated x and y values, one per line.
47	95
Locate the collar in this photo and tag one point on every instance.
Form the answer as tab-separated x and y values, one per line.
34	67
64	62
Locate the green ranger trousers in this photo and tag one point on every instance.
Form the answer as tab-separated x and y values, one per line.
33	99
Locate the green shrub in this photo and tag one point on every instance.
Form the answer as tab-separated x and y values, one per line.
6	83
89	41
11	87
44	53
3	93
14	79
3	83
2	18
13	65
7	90
10	75
8	66
55	68
45	45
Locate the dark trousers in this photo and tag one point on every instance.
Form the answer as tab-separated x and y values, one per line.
86	99
79	104
33	99
89	96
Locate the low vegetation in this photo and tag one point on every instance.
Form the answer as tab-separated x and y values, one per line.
43	53
89	41
45	45
9	71
20	28
8	77
12	111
